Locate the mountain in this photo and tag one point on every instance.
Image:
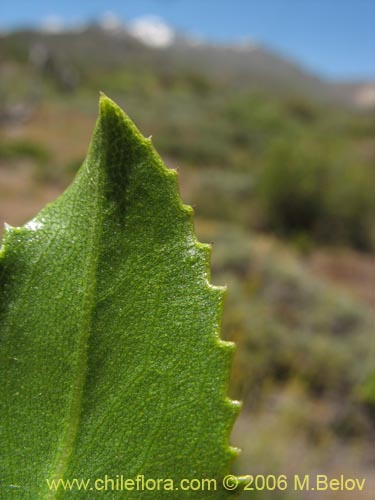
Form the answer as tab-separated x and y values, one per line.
361	94
110	44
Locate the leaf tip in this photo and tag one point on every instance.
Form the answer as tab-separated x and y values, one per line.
118	131
104	100
106	105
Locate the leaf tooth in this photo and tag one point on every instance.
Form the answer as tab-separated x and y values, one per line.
227	345
231	407
221	291
206	247
8	232
7	227
217	296
189	210
224	355
227	348
11	230
234	452
172	172
234	407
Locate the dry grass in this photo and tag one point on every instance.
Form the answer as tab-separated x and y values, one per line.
351	270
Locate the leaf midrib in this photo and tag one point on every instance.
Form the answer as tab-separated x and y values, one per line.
74	413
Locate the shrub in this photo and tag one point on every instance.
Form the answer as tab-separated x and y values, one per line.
303	191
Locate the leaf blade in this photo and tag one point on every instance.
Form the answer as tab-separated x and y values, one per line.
131	355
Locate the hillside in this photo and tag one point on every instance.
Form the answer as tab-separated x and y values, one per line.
76	53
278	165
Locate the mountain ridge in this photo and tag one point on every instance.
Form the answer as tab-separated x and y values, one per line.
154	44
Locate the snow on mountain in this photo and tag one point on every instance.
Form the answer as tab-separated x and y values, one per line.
152	31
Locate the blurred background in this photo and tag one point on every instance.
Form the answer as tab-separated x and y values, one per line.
267	110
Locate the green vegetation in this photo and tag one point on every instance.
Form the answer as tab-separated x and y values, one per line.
20	149
296	165
304	191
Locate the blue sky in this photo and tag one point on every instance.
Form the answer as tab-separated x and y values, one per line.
335	38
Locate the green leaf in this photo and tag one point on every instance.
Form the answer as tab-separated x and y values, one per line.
111	362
